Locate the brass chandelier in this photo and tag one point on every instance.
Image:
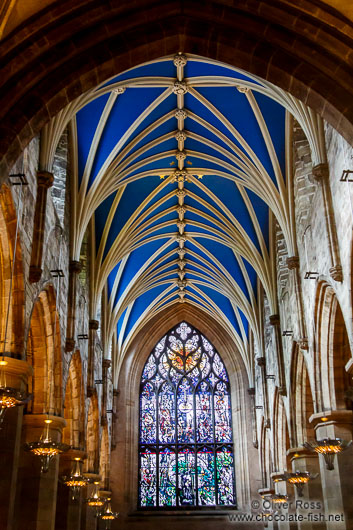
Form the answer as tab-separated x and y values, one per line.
46	448
328	447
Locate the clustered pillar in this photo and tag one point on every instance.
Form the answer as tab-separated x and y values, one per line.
45	180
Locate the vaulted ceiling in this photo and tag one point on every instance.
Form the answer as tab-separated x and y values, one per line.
181	168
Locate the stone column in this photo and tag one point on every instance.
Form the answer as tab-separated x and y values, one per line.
37	495
274	321
282	488
16	374
92	326
45	180
304	460
337	484
293	265
251	392
75	268
114	435
88	518
106	365
261	361
68	510
321	175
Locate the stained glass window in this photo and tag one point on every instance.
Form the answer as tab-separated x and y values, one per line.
185	447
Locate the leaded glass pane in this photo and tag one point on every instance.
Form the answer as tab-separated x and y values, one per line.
186	453
166	408
167	476
148	477
225	476
148	414
186	477
206	477
185	412
204	427
222	413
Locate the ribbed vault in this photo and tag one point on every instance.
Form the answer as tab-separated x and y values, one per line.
181	168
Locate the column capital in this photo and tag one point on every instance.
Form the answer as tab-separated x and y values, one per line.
303	344
331	417
293	262
93	324
336	273
37	420
251	391
75	266
263	492
35	273
261	361
106	363
320	172
295	453
278	476
17	372
92	477
45	179
274	320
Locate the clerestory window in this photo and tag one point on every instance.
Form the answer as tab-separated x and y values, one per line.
185	444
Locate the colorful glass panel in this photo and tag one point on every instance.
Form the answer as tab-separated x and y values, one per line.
185	412
204	427
186	452
222	414
148	414
166	409
167	476
148	475
225	476
186	477
206	477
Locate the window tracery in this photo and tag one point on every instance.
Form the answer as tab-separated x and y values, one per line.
185	450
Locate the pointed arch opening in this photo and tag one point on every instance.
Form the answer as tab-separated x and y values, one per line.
11	312
186	455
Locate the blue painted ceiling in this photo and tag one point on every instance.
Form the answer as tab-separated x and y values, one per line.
227	218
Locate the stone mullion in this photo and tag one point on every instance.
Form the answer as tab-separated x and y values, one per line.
293	265
261	361
105	366
45	180
75	268
275	322
93	326
321	175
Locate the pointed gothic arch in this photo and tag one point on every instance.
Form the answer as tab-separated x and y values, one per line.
74	404
44	355
186	437
332	351
12	314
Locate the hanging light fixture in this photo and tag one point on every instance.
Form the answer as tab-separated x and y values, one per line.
76	480
107	514
328	447
95	501
46	448
279	499
299	479
11	397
